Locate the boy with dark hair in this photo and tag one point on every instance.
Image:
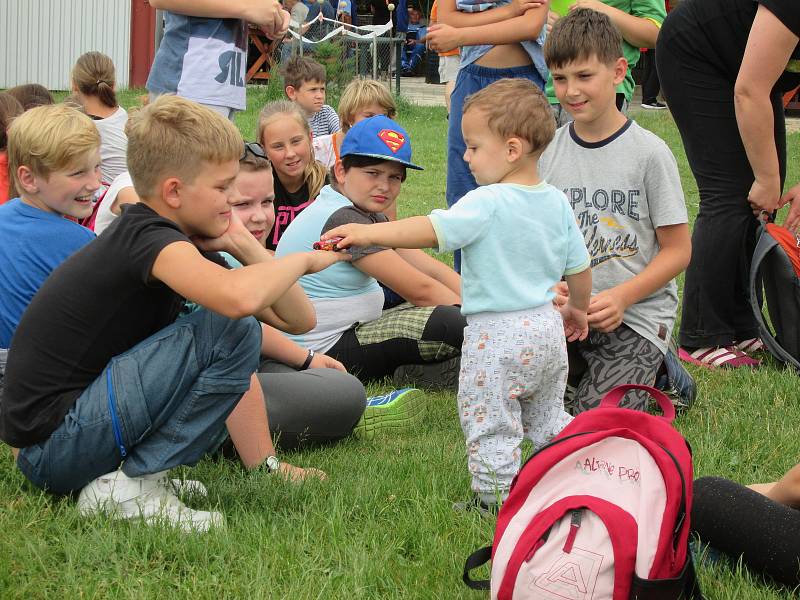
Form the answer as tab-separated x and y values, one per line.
623	184
105	391
304	81
638	22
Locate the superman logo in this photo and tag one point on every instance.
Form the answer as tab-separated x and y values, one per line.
393	139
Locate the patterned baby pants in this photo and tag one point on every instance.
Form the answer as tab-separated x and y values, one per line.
511	385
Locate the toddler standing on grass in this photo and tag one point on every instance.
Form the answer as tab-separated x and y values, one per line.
519	238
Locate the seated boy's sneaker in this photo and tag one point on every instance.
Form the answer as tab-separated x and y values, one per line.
429	376
397	411
148	498
654	105
676	382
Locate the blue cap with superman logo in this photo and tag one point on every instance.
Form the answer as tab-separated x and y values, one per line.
379	137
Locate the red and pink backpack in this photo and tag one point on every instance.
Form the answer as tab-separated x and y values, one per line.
602	512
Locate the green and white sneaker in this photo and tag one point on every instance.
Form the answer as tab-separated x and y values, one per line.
396	411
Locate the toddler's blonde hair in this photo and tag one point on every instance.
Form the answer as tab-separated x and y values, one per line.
361	93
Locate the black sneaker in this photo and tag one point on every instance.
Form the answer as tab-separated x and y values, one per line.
429	376
656	105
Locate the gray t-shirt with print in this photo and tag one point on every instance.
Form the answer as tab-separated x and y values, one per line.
621	189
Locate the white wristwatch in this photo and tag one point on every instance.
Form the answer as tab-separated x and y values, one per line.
273	464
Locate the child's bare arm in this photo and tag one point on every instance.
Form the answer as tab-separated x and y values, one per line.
393	271
443	38
573	311
637	31
432	268
607	308
414	232
450	15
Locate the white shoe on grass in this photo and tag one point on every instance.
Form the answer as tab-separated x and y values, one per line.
149	498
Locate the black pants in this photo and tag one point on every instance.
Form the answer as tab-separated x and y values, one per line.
651	86
375	350
740	522
716	308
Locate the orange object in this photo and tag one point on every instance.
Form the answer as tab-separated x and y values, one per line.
788	242
434	19
788	98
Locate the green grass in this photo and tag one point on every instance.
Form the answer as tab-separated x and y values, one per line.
382	525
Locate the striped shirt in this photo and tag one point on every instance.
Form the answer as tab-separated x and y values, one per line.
325	122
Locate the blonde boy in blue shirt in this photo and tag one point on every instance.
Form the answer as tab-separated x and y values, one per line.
519	238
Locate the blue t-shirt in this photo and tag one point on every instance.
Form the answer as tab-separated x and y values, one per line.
202	59
517	242
34	243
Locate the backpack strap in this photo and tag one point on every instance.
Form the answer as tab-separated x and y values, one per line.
766	243
477	559
613	398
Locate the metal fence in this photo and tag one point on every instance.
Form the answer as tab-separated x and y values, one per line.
344	57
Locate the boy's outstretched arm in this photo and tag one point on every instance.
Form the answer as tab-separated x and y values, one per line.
414	232
236	293
607	308
637	31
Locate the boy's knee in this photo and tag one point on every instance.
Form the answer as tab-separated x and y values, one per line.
446	324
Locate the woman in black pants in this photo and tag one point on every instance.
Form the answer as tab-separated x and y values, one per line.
724	65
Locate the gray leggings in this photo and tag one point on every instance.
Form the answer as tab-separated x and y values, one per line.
310	407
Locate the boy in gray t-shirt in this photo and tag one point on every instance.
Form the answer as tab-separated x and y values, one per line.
624	188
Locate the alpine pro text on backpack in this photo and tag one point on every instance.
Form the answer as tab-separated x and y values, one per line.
776	263
600	513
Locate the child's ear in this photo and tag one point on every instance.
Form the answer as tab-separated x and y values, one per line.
338	171
291	92
514	149
171	189
27	180
620	70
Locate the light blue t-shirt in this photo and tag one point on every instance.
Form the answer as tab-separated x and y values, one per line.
516	243
34	243
342	295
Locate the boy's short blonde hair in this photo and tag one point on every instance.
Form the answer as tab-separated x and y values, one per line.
583	33
515	108
361	93
50	138
172	137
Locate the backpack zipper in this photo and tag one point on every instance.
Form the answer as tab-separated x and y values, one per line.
574	525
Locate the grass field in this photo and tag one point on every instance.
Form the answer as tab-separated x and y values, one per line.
382	525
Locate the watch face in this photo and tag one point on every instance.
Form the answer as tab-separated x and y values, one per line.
273	463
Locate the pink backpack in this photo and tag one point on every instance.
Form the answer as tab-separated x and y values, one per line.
601	512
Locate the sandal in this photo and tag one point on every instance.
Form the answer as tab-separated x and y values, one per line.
730	357
751	345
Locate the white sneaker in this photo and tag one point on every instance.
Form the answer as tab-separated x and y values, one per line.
149	498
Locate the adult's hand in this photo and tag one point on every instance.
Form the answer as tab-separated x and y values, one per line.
268	15
764	196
